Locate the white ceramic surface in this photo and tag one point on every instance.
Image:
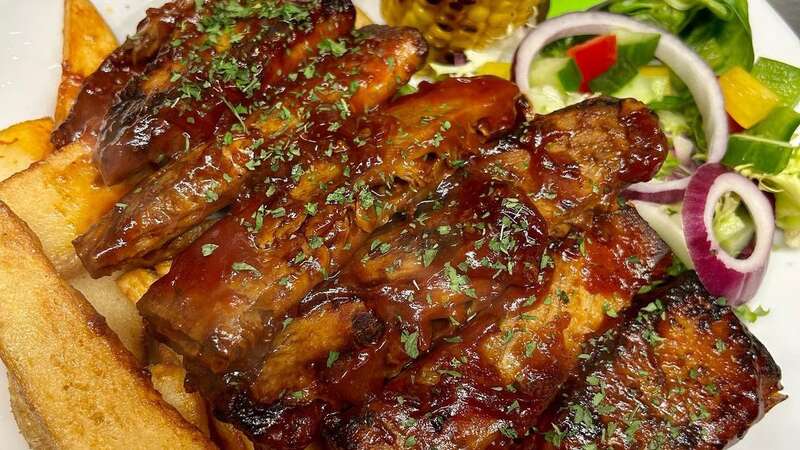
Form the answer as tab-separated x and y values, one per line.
30	51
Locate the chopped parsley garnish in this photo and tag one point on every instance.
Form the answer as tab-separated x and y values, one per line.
332	357
244	267
409	341
208	249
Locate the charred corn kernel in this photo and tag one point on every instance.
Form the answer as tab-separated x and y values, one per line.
747	100
498	69
462	24
134	284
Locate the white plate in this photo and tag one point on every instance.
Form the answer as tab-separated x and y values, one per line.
30	49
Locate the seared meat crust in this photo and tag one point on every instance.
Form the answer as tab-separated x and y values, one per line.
181	195
220	62
289	235
100	90
680	371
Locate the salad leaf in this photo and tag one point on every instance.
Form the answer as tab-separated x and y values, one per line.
786	188
733	225
718	30
749	315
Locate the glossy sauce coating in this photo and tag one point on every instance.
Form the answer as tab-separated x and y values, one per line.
679	371
100	90
220	63
413	284
366	72
295	231
487	390
387	302
580	157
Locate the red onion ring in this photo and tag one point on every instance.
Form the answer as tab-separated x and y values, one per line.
722	274
698	76
663	192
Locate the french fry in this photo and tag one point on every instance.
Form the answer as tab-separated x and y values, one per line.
29	423
87	42
73	372
59	198
122	316
23	144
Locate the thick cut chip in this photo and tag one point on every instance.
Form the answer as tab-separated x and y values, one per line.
23	144
59	197
78	380
87	42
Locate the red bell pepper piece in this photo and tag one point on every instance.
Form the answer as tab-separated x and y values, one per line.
594	57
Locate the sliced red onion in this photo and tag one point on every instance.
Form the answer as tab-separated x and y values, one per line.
669	225
663	192
684	149
698	76
722	274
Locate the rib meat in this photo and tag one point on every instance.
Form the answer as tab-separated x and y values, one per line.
679	371
488	389
222	60
222	310
100	89
420	279
412	283
375	62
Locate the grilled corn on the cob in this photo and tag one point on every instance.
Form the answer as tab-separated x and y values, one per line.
462	24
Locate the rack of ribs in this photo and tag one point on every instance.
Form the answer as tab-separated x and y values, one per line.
219	64
420	279
487	388
677	371
587	154
345	82
221	310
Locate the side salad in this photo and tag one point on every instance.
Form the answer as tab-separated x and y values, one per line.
732	178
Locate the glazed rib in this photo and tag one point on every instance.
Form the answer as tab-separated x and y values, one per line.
580	158
678	372
218	64
419	280
278	245
374	64
100	90
487	390
413	283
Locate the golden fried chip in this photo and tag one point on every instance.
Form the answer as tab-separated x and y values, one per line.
87	42
59	198
76	376
23	144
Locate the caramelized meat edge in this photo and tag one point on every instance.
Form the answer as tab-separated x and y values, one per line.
100	90
488	389
375	63
220	63
679	371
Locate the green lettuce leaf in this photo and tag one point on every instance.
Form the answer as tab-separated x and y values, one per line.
718	30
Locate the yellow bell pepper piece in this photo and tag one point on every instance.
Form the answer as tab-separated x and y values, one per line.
654	71
747	100
499	69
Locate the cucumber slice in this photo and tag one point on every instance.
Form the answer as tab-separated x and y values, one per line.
648	86
781	78
763	155
561	73
779	125
634	50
